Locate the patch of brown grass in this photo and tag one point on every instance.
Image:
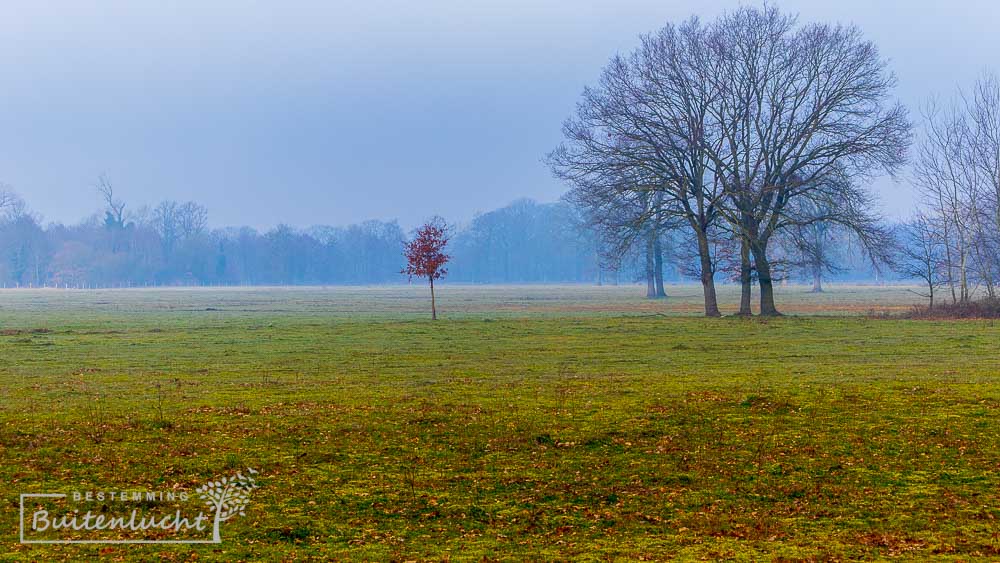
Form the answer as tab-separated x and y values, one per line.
983	309
19	331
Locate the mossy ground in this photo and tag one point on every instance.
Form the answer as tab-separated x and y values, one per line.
528	423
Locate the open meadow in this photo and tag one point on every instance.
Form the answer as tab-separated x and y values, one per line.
530	422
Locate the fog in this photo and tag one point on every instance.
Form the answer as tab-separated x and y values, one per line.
333	113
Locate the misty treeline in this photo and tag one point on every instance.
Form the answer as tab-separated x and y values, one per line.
170	243
748	141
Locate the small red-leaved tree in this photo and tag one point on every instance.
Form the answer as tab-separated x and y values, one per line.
425	257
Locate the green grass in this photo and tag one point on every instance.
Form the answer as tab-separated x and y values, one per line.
529	423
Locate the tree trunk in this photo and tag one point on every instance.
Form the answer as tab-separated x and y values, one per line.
745	280
767	308
817	280
964	280
434	312
707	277
658	267
650	278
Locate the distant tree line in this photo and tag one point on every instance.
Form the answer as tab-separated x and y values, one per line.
171	243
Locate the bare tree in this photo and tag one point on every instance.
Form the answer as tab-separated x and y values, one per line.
940	173
984	107
177	222
115	208
114	213
922	254
641	131
802	112
739	120
628	219
812	245
958	172
9	200
192	219
165	222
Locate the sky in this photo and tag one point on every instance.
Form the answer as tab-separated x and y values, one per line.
335	112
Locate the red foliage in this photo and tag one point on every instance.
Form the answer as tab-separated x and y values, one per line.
424	254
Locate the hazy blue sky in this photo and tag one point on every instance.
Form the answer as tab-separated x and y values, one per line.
333	112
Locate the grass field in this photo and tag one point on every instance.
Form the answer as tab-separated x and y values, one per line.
529	423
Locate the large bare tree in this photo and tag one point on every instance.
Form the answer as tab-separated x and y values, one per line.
645	122
804	112
739	120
